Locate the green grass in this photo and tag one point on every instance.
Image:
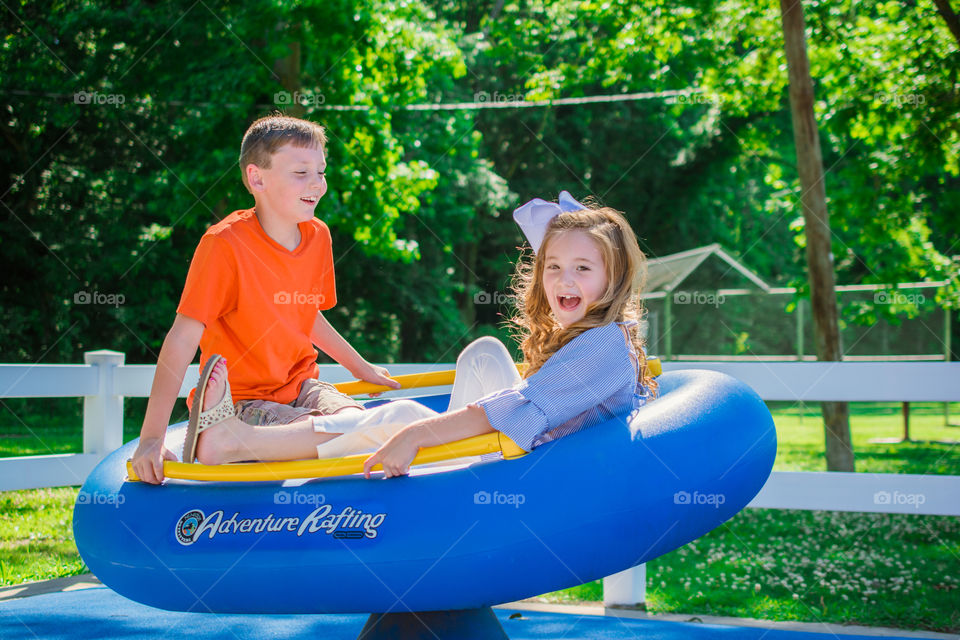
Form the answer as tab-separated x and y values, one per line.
36	535
845	568
848	568
800	434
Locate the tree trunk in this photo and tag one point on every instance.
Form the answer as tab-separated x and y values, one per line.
288	71
813	199
950	17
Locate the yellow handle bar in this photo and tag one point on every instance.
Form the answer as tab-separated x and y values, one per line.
436	379
259	471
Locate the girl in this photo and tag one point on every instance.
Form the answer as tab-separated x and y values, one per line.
577	314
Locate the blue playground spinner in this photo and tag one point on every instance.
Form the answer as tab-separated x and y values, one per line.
574	510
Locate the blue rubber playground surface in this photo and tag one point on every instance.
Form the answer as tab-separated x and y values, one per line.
101	613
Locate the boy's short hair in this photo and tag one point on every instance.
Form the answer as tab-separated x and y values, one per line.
265	136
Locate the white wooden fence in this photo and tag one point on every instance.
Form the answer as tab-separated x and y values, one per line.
104	380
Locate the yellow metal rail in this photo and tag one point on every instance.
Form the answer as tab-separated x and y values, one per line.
258	471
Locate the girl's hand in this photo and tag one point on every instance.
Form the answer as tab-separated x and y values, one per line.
148	460
395	455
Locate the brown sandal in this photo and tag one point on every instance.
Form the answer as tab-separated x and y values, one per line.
200	421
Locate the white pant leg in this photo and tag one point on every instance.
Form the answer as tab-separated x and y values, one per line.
483	367
366	431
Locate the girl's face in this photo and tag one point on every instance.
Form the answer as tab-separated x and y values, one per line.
574	275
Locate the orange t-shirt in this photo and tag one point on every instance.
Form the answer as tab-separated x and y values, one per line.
258	302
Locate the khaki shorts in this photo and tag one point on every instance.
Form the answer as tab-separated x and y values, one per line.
316	399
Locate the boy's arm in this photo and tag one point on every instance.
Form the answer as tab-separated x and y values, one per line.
334	345
177	352
399	451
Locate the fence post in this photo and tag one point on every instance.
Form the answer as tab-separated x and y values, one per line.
626	588
103	413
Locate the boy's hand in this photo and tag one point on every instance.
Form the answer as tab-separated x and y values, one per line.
395	455
148	460
376	375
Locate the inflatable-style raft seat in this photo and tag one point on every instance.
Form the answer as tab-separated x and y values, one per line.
573	510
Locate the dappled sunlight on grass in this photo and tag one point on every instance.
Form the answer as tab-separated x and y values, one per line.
850	568
36	535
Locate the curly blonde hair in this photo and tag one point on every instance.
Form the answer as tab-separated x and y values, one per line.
537	329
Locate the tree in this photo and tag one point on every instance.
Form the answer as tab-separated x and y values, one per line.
839	447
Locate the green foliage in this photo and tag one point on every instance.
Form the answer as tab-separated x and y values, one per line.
105	200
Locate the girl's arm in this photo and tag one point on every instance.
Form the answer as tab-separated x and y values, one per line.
398	452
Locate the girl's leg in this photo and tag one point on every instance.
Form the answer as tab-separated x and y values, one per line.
483	367
365	432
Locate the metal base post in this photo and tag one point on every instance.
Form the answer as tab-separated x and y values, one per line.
468	624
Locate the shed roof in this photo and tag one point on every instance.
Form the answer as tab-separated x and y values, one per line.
667	273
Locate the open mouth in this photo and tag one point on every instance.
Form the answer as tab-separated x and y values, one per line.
568	303
310	199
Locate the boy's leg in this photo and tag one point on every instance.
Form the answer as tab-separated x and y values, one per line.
322	399
316	398
233	440
483	367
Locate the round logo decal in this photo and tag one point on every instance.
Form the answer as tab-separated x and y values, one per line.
188	525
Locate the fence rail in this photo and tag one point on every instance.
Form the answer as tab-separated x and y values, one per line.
104	380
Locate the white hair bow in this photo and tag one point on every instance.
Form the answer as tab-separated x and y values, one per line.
534	216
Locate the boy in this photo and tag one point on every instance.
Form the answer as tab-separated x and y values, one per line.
257	285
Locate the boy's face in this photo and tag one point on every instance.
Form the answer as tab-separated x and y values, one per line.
293	184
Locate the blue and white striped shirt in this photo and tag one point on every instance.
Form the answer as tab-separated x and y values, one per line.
589	380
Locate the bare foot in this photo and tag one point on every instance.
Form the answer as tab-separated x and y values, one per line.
219	444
